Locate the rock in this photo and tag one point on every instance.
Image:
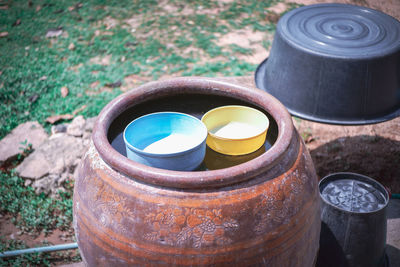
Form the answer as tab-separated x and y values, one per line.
86	137
30	132
90	124
27	182
34	166
59	128
44	185
53	157
77	126
56	159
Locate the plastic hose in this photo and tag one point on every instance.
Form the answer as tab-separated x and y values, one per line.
396	196
14	253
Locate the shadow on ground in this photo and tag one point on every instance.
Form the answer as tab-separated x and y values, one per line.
373	156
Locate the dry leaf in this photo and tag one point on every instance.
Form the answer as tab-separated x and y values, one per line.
4	7
76	67
3	34
76	111
76	6
38	8
94	84
33	98
54	32
17	22
43	78
132	81
54	119
64	91
309	139
105	61
71	46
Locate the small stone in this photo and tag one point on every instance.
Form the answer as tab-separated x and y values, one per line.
28	182
76	174
59	128
62	179
86	136
76	127
90	124
19	138
44	185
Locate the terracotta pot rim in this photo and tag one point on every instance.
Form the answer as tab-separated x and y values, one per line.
197	179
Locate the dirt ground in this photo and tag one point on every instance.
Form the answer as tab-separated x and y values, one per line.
372	150
391	7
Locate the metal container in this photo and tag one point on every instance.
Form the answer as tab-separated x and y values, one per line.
335	63
353	216
263	212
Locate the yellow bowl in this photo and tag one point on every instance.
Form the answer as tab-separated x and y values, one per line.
235	130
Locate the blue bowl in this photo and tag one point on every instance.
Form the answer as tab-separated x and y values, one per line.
167	140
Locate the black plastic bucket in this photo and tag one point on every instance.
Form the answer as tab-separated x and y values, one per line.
353	218
335	63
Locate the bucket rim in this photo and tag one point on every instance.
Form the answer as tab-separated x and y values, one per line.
341	175
259	78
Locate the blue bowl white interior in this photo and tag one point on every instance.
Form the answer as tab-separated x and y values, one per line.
153	138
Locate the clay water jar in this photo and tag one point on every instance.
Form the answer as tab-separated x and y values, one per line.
263	212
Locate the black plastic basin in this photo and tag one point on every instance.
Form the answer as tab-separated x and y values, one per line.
335	63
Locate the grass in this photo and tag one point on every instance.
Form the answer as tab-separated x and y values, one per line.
34	68
35	259
97	44
34	213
